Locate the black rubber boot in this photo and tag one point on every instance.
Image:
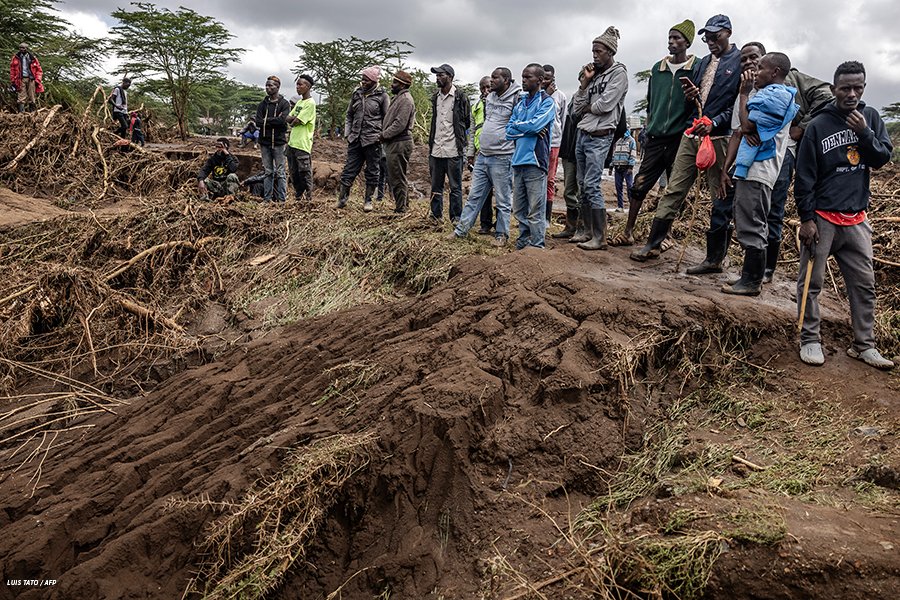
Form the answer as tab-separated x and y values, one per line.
750	283
771	260
367	204
587	228
598	221
571	223
21	108
343	194
659	230
716	249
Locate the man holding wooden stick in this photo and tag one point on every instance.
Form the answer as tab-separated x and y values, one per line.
831	189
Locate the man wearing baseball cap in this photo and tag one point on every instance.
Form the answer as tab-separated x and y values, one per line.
715	87
451	118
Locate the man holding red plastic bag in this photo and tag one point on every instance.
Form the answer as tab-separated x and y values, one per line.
715	87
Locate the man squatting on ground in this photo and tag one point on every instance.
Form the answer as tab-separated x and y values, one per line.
668	114
763	122
26	77
531	127
487	210
271	118
365	115
599	102
218	175
302	121
841	143
493	163
396	138
559	121
451	117
716	86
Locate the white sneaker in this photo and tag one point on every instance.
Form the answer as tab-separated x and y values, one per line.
812	354
871	357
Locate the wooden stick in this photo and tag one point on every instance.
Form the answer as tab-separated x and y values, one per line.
34	140
542	584
809	269
153	250
885	262
22	292
149	315
102	160
747	463
691	224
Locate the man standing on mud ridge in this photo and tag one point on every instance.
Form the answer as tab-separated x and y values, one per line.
302	121
841	144
715	85
531	127
396	137
119	100
493	163
764	122
559	121
451	117
487	210
668	114
599	102
271	118
26	76
365	115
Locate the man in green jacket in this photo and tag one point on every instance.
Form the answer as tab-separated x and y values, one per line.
667	118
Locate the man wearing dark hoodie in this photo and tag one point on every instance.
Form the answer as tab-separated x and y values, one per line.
715	86
493	163
844	140
365	116
599	103
271	118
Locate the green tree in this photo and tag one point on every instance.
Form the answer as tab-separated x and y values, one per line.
335	67
640	77
891	112
66	57
225	104
177	54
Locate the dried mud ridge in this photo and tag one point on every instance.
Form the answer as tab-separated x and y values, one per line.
407	447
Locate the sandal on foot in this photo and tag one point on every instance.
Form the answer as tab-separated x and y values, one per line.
621	240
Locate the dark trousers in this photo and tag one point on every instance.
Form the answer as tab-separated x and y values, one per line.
658	157
722	212
487	212
779	198
382	174
357	156
623	183
451	169
122	119
300	171
397	159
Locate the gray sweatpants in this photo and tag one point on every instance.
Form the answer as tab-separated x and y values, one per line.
852	248
752	200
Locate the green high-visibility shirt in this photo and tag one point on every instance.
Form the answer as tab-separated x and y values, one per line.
302	134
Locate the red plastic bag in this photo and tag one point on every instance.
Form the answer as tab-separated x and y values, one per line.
706	154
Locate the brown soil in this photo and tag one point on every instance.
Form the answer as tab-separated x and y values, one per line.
556	424
498	406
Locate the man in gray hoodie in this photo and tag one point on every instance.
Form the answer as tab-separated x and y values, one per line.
599	101
493	163
397	139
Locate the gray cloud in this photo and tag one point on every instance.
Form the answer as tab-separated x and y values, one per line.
477	36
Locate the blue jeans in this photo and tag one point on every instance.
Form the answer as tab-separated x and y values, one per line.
530	204
590	156
623	180
275	183
491	172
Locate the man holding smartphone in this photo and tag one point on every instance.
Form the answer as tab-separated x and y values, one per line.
715	87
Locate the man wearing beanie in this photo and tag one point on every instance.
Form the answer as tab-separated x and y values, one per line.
667	118
599	103
397	139
715	87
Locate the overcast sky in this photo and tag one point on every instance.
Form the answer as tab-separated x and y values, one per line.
474	37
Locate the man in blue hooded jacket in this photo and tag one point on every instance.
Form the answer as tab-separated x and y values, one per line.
531	127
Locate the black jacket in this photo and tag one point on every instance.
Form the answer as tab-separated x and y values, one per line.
462	119
569	134
833	162
724	91
270	118
219	166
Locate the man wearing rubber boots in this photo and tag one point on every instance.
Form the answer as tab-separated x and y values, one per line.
841	144
715	87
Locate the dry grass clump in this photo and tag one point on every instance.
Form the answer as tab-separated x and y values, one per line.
261	536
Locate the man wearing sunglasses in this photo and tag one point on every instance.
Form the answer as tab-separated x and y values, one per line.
715	86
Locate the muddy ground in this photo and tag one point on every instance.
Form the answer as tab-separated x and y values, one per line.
555	424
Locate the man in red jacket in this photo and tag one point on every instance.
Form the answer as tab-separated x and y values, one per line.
26	74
